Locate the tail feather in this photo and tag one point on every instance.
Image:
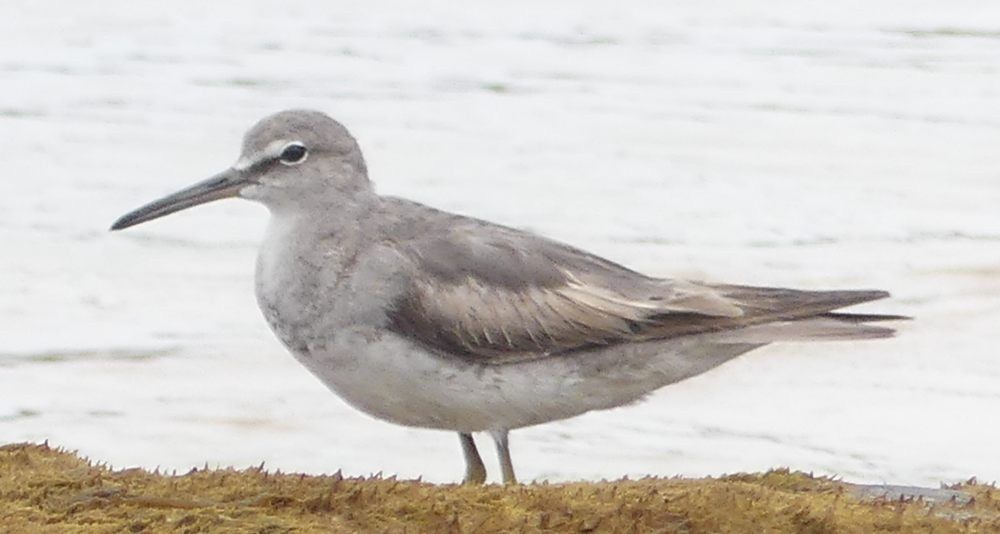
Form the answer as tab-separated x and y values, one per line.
793	315
779	314
866	317
812	329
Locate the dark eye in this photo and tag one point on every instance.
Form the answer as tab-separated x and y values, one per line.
293	153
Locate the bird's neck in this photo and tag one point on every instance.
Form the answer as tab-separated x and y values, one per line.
325	214
320	235
304	253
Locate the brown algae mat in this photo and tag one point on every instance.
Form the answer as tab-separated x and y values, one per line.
43	489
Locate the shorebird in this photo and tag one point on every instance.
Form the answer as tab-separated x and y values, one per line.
435	320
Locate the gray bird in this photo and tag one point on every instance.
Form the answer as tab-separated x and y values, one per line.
434	320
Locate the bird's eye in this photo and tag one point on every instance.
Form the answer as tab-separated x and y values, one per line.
293	153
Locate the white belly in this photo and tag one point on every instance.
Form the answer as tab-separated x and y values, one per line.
393	379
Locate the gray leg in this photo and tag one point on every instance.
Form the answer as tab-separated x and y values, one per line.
503	452
475	471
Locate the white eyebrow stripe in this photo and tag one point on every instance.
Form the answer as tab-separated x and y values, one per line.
271	151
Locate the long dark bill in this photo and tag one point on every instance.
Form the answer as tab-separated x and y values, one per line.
226	184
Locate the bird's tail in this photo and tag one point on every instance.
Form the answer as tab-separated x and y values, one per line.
825	327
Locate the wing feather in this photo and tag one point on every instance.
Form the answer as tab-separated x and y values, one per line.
496	295
508	294
492	294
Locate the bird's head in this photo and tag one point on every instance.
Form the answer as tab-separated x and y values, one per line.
290	159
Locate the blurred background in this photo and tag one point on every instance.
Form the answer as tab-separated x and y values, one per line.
807	144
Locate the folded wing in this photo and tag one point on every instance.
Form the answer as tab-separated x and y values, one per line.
500	295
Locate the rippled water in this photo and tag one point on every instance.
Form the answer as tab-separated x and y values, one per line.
845	145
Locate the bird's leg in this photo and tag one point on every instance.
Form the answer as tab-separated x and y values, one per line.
503	452
475	471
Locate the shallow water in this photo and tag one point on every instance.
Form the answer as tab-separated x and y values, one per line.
815	146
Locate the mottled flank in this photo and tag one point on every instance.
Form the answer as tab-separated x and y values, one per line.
49	490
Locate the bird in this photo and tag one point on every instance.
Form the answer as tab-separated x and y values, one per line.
435	320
